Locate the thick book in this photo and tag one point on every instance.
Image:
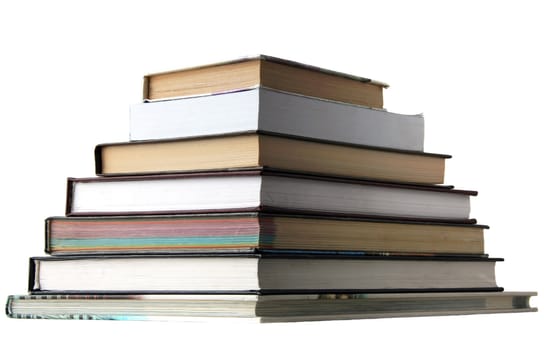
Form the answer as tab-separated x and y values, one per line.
263	308
268	110
252	190
272	151
272	72
254	231
262	273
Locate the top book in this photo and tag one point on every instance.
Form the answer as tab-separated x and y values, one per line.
267	71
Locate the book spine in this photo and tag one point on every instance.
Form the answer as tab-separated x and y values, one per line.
69	195
33	274
9	303
47	247
98	160
145	91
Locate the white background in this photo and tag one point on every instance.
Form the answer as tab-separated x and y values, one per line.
69	70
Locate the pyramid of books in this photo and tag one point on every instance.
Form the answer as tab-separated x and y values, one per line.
269	190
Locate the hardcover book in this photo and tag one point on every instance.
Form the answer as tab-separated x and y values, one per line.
264	308
273	111
271	151
254	231
252	190
263	273
266	71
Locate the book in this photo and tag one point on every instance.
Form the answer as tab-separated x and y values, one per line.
268	110
264	150
254	232
262	273
263	308
266	71
259	189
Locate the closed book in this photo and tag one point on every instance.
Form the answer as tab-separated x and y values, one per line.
248	150
257	231
268	110
259	189
266	71
262	273
263	308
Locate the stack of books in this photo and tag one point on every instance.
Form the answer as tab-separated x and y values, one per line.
266	189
